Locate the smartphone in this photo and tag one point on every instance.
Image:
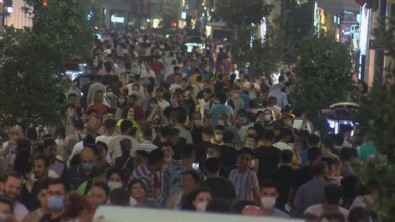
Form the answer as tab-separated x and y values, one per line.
195	166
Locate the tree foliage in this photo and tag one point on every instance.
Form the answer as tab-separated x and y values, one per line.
378	122
28	88
242	17
324	72
237	13
298	25
30	92
66	24
266	55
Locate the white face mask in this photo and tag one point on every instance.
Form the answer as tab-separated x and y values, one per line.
268	202
267	118
114	185
210	156
133	202
201	206
252	163
221	122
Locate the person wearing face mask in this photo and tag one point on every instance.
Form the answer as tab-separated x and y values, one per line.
114	179
200	199
57	192
269	194
84	171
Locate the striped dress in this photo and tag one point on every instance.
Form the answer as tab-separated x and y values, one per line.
244	183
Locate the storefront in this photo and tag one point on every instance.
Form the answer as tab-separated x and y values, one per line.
349	23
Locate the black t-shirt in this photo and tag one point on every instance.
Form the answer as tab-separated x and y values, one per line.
171	113
268	157
219	87
200	150
228	159
196	134
47	218
221	188
284	177
302	176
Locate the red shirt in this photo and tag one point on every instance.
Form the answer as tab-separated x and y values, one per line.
99	108
157	67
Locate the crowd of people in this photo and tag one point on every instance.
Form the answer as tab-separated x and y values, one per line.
158	127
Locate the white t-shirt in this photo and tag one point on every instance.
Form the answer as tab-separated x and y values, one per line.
282	146
173	87
146	75
20	211
318	210
77	149
163	104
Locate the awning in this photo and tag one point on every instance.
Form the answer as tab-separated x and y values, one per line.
338	6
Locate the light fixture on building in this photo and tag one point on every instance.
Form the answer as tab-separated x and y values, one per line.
301	2
9	10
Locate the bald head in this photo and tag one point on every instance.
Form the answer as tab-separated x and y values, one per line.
88	155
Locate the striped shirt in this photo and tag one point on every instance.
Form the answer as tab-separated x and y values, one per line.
244	183
147	146
150	180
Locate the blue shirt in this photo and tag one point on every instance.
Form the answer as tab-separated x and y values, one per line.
310	193
282	99
219	109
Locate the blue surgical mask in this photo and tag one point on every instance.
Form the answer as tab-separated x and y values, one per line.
87	166
55	203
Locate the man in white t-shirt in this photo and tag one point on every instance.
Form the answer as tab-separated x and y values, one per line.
333	194
177	83
12	190
147	73
161	101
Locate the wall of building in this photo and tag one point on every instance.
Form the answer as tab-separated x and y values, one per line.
17	17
